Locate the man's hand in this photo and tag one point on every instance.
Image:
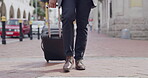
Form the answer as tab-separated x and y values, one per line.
52	3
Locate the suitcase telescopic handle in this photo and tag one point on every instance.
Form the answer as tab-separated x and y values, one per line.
48	21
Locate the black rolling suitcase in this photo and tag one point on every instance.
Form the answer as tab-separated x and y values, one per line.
52	42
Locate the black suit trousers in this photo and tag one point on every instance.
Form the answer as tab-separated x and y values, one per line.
75	10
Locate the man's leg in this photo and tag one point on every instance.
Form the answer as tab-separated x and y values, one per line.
68	16
82	13
83	8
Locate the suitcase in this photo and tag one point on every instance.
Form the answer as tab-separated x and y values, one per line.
52	42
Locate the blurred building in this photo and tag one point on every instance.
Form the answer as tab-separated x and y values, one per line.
94	16
117	15
16	8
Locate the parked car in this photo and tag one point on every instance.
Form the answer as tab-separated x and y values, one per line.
36	24
12	28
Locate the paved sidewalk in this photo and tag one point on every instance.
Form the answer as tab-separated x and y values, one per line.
104	57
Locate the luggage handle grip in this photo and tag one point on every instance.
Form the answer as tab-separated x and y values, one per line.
48	22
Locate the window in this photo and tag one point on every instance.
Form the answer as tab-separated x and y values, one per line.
25	22
13	22
136	3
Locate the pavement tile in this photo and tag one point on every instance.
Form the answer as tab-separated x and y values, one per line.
105	57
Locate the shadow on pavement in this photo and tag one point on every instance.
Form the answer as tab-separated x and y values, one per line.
32	70
27	73
39	64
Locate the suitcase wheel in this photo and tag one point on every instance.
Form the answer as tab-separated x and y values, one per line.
47	61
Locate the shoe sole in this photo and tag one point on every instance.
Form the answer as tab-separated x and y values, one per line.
79	68
67	70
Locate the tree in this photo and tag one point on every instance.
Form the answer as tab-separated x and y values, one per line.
40	9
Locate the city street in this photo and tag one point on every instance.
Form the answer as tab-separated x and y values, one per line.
105	57
16	39
118	50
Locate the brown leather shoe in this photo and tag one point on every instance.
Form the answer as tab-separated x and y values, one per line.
79	65
68	64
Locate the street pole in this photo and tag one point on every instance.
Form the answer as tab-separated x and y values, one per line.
3	30
31	36
21	33
39	32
